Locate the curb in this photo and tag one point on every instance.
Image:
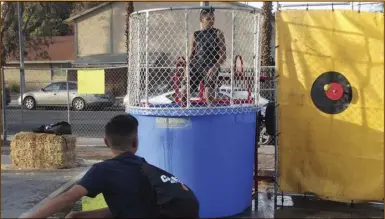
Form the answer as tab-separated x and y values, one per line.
57	192
92	146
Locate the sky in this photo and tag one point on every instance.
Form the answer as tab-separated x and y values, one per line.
364	6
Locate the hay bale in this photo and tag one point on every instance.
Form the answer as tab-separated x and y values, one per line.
43	151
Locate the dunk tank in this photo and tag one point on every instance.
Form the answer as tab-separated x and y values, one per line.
209	147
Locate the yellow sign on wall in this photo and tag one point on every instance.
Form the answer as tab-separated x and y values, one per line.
334	150
91	81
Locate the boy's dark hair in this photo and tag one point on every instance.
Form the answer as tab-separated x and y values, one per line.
121	130
206	11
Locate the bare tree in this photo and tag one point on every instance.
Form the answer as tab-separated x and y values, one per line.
129	10
267	30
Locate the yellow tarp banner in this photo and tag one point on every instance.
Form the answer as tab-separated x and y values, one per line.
91	81
335	156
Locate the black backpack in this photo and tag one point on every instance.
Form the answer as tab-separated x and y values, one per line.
270	119
60	128
173	199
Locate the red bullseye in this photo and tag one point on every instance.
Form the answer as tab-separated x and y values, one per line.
331	93
335	91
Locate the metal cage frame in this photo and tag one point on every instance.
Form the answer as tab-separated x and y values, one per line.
136	66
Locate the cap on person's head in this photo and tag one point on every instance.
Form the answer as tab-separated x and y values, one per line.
205	11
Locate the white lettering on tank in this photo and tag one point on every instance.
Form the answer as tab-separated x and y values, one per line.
165	179
174	179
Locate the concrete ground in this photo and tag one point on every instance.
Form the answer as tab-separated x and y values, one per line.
310	208
294	206
21	190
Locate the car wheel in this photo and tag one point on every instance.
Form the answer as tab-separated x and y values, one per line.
29	103
264	137
78	104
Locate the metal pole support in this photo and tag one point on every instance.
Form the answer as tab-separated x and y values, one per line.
21	49
4	105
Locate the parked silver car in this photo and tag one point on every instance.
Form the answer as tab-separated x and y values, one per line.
55	94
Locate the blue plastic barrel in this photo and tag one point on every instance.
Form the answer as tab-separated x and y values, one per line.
212	154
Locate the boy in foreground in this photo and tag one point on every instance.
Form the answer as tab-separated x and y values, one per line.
130	185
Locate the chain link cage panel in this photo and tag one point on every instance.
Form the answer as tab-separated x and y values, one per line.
178	67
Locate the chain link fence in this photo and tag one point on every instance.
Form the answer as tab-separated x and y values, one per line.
165	71
51	95
86	113
178	67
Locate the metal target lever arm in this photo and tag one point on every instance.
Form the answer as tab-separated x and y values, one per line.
180	61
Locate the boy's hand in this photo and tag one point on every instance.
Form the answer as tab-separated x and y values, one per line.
59	203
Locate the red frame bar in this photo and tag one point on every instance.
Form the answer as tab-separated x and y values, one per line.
181	61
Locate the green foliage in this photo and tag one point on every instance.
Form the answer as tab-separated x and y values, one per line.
14	87
41	21
78	7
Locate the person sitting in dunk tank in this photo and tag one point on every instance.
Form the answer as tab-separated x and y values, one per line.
207	54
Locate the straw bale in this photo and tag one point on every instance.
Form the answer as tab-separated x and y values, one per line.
43	151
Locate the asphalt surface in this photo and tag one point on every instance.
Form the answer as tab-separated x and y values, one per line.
84	123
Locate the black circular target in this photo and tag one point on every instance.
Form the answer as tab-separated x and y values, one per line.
331	92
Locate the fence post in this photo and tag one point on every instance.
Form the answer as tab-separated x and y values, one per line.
146	58
186	70
68	100
21	50
4	105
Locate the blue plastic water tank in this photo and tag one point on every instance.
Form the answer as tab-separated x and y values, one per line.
212	154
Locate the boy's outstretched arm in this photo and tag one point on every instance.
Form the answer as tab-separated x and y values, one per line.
59	203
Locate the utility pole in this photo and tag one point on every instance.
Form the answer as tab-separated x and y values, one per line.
21	49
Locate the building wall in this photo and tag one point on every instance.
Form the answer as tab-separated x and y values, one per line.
93	32
36	75
119	18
